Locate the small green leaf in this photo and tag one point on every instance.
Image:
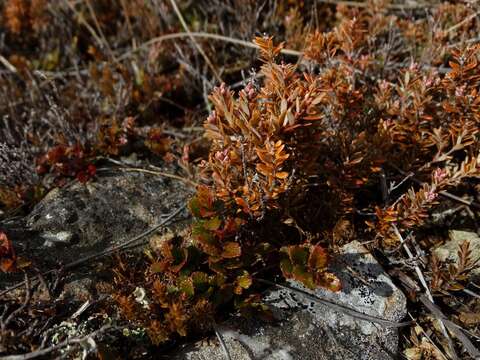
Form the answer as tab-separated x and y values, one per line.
286	267
231	250
206	240
212	224
217	280
186	286
298	254
244	280
200	281
301	274
217	267
194	206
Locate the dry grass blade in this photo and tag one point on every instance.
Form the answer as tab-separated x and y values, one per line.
427	289
454	328
222	343
8	64
90	29
197	45
204	35
28	296
43	352
365	4
464	21
125	168
428	337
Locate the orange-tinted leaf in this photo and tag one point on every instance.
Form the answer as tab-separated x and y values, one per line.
7	254
7	265
318	258
265	170
264	156
158	267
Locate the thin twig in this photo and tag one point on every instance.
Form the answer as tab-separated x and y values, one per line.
8	64
464	21
204	35
125	244
99	28
410	255
468	41
366	4
471	293
161	173
82	20
197	45
457	330
154	172
222	342
428	337
63	344
28	296
338	307
422	280
129	24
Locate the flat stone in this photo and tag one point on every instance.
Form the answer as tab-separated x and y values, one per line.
449	250
80	219
306	329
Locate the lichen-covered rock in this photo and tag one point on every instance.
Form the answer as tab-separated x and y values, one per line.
309	330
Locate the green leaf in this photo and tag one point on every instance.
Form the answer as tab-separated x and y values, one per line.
200	281
206	240
301	274
194	206
217	280
217	267
231	250
233	263
212	224
186	286
262	249
244	280
298	254
286	267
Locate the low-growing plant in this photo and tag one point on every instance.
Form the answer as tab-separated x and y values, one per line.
362	138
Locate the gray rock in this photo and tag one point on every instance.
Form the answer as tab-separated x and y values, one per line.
309	330
449	250
80	219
